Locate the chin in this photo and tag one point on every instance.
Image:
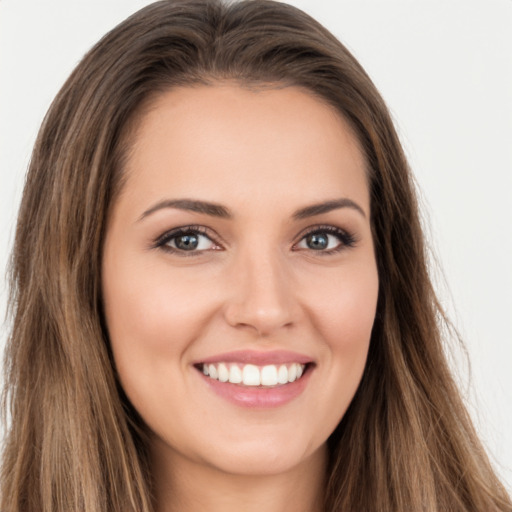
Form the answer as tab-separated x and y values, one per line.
265	458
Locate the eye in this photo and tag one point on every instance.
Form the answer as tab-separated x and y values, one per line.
190	239
326	239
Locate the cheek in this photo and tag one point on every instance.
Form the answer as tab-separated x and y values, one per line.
344	312
344	304
148	308
342	307
152	318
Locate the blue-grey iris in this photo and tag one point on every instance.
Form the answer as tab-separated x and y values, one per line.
187	242
317	241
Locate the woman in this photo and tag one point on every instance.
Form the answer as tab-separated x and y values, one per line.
219	285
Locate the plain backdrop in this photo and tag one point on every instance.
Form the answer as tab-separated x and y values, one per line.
445	69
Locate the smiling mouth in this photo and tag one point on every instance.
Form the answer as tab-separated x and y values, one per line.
251	375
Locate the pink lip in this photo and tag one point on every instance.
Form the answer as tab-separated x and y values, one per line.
258	358
256	397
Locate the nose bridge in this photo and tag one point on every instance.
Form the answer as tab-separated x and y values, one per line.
262	291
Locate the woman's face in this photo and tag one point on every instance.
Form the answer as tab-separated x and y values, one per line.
240	247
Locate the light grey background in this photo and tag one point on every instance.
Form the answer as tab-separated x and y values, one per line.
445	69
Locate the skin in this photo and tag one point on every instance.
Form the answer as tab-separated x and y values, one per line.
254	283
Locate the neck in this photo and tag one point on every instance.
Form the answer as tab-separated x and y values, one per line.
188	486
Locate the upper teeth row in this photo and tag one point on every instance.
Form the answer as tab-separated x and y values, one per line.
251	375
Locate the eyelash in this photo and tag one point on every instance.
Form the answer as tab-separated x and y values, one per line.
346	239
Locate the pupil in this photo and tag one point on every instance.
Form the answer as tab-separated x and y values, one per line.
187	242
317	241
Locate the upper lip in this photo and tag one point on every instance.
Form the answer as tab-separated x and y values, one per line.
258	358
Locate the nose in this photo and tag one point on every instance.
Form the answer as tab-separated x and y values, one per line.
262	295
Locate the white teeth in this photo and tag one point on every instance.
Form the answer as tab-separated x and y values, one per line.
223	372
235	374
212	371
252	375
292	373
282	374
269	375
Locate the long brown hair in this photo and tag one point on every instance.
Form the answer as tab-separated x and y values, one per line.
74	443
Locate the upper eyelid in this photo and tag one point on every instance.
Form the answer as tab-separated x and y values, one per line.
322	227
203	230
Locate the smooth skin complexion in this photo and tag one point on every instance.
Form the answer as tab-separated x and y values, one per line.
241	239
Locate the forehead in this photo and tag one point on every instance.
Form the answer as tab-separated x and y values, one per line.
224	140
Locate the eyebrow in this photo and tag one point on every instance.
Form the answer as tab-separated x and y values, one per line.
192	205
327	206
217	210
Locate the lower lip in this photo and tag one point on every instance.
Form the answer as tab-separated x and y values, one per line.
258	397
